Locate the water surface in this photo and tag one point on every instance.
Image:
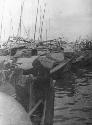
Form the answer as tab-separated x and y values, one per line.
73	98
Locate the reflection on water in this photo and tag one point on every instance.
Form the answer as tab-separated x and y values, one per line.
73	99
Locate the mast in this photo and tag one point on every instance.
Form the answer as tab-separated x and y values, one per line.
1	29
36	21
2	22
20	22
11	27
46	34
40	23
43	20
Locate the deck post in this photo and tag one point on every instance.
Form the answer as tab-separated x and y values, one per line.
48	112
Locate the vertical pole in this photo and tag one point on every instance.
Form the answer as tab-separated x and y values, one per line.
36	21
48	112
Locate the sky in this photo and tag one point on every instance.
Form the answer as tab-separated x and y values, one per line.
63	18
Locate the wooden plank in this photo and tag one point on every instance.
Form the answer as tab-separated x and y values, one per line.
61	65
35	107
26	63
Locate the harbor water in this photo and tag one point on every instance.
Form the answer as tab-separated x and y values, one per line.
73	98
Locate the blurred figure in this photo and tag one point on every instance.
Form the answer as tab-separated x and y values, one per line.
11	112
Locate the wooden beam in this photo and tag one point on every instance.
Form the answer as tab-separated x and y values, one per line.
35	107
59	66
48	112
